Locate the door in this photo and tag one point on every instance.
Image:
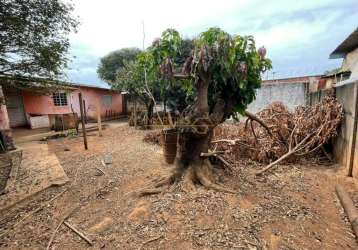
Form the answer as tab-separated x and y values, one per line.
15	108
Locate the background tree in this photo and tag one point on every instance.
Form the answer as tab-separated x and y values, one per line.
224	71
34	36
110	64
131	78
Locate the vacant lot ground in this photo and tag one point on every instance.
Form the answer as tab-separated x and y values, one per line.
294	208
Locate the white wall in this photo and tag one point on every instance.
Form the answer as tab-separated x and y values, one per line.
350	63
292	95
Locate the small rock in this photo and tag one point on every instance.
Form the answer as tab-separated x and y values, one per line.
108	159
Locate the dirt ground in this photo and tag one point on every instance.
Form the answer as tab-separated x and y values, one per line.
293	208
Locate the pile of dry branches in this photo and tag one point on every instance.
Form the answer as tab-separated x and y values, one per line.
153	137
274	134
286	136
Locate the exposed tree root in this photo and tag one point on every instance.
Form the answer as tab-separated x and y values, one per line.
198	173
204	174
149	191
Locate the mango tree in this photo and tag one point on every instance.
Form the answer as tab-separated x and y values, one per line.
223	71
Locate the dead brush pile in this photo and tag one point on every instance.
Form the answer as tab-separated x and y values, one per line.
153	137
287	136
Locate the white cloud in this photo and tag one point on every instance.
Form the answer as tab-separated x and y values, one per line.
107	25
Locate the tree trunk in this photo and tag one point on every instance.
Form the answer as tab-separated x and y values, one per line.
165	105
150	106
194	139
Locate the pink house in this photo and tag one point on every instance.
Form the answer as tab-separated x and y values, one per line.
32	108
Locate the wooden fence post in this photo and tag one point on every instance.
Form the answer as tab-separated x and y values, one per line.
99	119
135	113
83	121
85	111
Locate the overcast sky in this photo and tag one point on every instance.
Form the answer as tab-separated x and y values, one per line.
299	35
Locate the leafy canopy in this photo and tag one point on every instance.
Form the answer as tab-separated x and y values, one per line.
135	77
34	36
230	64
115	61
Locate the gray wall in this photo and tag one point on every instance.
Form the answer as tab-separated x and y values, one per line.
292	95
345	151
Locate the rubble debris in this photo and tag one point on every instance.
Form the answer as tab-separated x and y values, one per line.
108	159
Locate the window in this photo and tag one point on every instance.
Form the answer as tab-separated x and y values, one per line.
59	99
106	100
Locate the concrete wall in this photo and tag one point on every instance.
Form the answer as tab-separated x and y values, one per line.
43	104
92	98
292	95
350	63
36	104
343	144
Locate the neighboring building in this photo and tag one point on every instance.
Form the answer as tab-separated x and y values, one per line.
348	50
37	105
292	92
346	89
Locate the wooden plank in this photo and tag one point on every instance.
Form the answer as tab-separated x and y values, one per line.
349	208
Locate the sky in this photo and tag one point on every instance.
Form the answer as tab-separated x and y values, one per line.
298	35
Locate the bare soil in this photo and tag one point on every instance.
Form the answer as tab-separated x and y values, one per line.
295	207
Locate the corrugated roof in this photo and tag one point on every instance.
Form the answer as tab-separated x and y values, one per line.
104	86
36	84
39	84
349	44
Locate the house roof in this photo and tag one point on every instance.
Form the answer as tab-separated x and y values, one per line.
44	85
103	86
349	44
36	84
290	80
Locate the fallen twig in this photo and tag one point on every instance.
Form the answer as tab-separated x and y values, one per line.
100	170
212	153
227	164
152	239
59	225
231	142
84	237
103	164
33	212
289	153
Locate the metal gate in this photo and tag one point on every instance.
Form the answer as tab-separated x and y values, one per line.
15	108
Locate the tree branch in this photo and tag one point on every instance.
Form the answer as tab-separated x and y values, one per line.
258	120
